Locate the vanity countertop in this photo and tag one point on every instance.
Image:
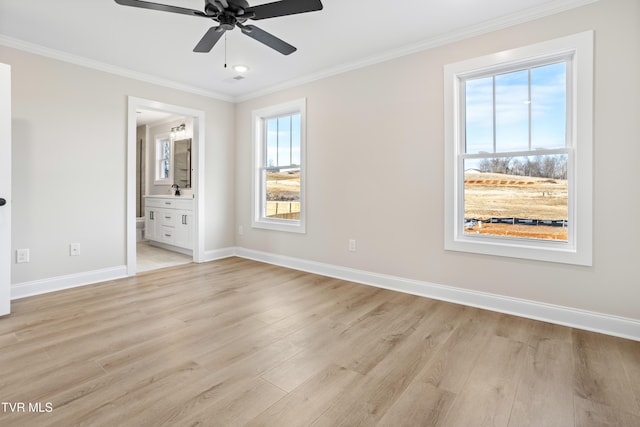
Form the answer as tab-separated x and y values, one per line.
168	196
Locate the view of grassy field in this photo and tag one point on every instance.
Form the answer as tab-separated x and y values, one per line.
283	195
487	195
494	195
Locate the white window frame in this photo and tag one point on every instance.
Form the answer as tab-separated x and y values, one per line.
158	158
258	219
579	247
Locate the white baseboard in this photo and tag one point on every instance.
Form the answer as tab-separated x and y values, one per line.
37	287
218	254
566	316
42	286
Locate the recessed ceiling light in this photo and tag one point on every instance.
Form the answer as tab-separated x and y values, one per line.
241	68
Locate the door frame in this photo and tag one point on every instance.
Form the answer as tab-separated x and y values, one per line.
197	165
5	189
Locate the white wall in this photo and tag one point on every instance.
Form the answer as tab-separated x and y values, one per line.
375	170
69	164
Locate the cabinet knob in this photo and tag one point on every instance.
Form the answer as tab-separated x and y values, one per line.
2	202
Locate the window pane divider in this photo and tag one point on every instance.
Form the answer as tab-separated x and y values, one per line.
527	153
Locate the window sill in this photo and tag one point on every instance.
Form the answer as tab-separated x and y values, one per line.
549	251
279	225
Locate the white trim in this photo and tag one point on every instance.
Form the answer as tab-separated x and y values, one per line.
42	286
579	249
53	284
108	68
566	316
216	254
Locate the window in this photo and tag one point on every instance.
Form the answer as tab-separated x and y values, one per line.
279	147
163	160
518	146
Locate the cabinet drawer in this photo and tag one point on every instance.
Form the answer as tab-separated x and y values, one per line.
168	235
169	203
167	217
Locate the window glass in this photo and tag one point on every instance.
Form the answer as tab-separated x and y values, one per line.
479	115
512	111
518	197
507	194
282	173
272	143
548	106
163	159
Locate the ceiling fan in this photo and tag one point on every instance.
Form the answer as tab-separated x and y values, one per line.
234	13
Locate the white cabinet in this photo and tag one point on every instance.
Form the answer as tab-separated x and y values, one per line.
169	220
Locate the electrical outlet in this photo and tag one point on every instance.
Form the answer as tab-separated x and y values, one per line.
352	245
74	249
22	255
240	230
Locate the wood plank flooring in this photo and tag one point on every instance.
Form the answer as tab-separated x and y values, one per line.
237	342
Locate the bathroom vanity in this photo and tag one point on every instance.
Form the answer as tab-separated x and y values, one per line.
169	222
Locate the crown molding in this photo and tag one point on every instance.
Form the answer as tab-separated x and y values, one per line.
107	68
550	8
503	22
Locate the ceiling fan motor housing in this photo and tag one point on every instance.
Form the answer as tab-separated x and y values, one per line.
235	7
227	13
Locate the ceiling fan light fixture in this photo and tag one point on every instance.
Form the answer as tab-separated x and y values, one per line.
234	13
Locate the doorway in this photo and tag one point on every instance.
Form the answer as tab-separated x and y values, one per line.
197	171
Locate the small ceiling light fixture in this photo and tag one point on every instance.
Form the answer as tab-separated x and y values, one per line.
241	68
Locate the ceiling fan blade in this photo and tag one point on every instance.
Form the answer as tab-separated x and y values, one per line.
283	8
209	39
161	7
268	39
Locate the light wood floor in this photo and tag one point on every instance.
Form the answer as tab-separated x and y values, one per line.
236	342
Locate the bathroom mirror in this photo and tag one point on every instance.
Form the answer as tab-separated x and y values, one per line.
182	163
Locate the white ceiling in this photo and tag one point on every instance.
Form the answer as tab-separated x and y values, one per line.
157	46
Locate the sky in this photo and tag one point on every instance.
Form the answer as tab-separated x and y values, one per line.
283	140
513	107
